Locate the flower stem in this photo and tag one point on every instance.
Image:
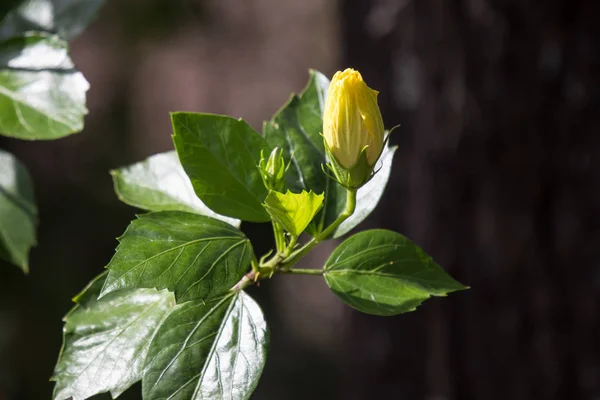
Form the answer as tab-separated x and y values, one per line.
290	247
348	211
279	237
302	271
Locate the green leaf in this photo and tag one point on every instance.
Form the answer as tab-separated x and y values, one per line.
296	129
368	196
220	154
18	213
194	256
160	184
383	273
293	211
214	350
42	95
68	18
105	341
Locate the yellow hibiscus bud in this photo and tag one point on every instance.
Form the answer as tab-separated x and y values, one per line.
352	128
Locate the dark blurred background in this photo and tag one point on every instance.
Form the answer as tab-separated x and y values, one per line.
497	176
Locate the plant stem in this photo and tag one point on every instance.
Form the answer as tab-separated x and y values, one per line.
301	252
279	238
247	280
283	260
348	211
302	271
290	246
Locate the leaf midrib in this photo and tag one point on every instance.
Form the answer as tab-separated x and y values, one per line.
214	346
337	262
188	337
407	279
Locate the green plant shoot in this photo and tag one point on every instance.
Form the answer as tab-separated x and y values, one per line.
171	309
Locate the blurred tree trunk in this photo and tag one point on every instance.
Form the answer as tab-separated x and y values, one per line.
496	177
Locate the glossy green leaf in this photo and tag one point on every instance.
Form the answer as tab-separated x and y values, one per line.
160	184
105	341
42	95
18	213
221	154
293	211
68	18
194	256
214	350
368	196
296	129
383	273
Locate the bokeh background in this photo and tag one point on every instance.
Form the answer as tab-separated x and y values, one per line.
497	176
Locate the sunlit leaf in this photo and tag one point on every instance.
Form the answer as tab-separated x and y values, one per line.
382	272
214	350
160	184
194	256
42	95
293	211
105	341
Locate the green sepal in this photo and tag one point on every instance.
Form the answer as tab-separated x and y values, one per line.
354	177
